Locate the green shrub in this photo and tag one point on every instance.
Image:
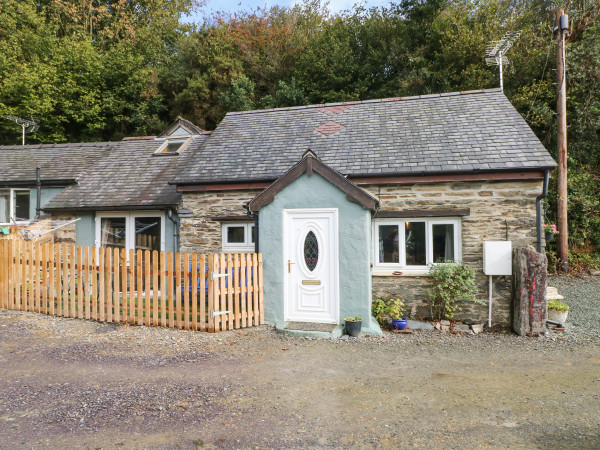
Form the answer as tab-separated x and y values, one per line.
451	283
353	319
387	309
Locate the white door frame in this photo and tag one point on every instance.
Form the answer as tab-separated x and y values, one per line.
333	248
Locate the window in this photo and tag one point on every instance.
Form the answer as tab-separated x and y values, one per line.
137	230
14	203
174	146
414	244
238	237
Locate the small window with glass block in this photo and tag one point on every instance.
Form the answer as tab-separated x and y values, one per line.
415	243
238	237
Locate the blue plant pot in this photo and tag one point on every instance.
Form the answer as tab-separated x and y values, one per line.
399	324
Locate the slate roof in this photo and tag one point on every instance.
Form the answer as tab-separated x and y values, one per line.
60	163
130	176
460	132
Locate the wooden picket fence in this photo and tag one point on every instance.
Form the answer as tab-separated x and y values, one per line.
211	293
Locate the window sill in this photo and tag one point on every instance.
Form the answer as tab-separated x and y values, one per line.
399	273
238	250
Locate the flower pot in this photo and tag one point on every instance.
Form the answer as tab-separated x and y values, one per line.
549	237
555	316
353	328
399	324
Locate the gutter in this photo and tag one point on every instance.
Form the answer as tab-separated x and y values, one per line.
538	210
38	186
59	182
109	208
351	176
255	217
170	212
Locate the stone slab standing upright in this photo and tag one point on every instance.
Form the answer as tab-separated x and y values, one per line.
530	273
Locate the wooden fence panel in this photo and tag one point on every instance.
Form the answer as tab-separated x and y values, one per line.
203	299
163	290
52	275
195	287
209	293
147	282
155	288
186	290
178	323
170	292
124	286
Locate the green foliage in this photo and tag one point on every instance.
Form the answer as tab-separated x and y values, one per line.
387	309
105	69
288	94
240	96
558	306
451	283
353	319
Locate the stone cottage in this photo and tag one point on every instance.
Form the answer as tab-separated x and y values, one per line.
354	201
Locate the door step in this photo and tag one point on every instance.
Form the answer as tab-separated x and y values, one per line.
310	329
309	326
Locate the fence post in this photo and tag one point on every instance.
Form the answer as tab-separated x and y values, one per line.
203	322
3	269
261	293
194	292
211	292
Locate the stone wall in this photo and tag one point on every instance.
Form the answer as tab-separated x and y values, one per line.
67	234
198	233
494	207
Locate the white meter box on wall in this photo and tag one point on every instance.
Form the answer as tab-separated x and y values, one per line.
497	257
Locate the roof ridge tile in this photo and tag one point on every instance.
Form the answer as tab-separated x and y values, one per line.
368	101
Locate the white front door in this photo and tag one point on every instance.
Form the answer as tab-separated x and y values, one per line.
311	265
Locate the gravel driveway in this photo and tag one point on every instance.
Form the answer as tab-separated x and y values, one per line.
72	383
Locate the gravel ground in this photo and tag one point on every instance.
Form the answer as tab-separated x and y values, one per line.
582	294
73	383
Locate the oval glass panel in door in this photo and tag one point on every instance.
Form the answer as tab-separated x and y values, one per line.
311	251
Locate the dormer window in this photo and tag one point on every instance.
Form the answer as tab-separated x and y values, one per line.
177	137
174	146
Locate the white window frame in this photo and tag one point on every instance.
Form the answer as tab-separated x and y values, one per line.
384	268
246	246
130	217
13	205
161	150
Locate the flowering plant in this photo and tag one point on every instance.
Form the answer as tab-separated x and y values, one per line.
550	228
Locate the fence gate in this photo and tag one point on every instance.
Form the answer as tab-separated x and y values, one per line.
213	292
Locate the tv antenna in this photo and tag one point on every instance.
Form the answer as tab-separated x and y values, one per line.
30	125
495	50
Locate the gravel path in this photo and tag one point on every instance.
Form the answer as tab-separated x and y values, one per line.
582	294
73	383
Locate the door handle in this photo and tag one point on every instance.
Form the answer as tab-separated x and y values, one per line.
290	266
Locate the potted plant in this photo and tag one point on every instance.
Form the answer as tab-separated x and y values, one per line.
557	311
395	310
353	325
392	309
550	231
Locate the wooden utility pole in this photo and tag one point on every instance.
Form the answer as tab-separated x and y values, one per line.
561	108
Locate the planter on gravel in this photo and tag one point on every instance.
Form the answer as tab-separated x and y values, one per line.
353	325
399	324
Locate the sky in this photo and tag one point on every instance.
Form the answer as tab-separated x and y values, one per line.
231	6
